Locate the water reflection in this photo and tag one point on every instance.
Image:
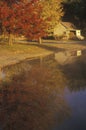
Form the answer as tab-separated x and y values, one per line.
76	74
40	94
33	100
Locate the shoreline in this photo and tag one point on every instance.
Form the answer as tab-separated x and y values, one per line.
12	60
10	55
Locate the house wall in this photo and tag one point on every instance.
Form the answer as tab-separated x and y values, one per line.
78	32
59	30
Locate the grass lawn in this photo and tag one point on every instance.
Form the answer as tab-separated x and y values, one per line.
19	48
17	52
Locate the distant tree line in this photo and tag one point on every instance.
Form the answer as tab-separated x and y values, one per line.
75	11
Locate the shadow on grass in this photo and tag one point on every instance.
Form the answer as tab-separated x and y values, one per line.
3	42
46	44
50	48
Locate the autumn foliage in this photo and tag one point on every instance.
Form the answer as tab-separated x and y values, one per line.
23	17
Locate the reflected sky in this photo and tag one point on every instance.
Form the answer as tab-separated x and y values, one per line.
77	102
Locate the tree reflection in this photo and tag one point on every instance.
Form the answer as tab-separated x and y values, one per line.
34	100
76	74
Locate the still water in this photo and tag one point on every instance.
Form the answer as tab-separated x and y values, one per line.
41	94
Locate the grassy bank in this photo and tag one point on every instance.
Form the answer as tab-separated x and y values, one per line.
17	52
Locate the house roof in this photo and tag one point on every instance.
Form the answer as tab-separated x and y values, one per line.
68	25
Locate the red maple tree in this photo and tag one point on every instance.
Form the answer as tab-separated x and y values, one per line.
22	17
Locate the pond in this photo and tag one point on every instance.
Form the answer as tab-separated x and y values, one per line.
41	94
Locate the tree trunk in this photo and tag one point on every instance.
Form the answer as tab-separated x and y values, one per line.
10	39
40	40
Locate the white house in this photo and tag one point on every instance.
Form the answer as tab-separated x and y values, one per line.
67	30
